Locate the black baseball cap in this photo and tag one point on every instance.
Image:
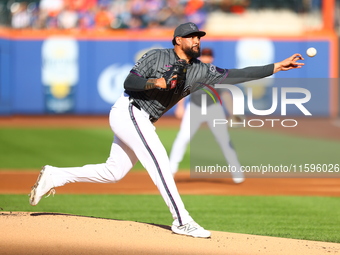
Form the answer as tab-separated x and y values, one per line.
187	29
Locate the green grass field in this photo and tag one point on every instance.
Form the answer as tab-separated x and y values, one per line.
311	218
36	147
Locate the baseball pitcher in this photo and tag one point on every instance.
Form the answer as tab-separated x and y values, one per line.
156	83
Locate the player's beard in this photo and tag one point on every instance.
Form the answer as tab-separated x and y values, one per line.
191	53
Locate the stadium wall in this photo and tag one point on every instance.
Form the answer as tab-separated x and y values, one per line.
58	73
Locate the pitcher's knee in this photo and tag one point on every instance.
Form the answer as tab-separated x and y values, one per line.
116	172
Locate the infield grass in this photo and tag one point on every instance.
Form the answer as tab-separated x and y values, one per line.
308	218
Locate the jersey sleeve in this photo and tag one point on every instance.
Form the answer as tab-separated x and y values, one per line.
216	74
212	75
140	72
144	67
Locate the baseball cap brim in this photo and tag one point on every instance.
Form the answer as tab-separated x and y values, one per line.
198	33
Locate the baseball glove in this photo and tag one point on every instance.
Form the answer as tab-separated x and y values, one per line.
176	74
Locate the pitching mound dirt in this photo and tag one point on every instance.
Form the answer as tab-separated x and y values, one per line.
53	233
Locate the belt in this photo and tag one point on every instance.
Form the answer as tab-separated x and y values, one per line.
135	104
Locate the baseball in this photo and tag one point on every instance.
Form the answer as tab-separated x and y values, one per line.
311	52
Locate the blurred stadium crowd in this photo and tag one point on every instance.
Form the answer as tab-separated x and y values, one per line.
133	14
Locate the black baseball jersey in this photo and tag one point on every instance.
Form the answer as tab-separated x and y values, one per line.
153	64
156	62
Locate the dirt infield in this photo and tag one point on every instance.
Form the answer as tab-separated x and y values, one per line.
20	182
48	233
